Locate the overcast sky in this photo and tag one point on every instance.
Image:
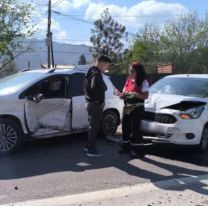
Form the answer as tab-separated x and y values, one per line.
75	18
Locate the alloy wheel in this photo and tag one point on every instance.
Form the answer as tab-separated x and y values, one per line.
8	137
110	123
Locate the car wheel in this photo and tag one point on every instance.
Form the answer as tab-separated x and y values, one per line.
203	146
110	122
10	136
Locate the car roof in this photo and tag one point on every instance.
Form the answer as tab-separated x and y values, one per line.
75	69
57	71
188	76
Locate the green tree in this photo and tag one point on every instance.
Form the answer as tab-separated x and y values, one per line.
107	37
145	47
82	60
183	42
15	25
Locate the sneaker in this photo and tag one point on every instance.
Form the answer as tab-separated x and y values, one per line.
86	149
94	153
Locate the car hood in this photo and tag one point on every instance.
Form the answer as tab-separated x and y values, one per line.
178	102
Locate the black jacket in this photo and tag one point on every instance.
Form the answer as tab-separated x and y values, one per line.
95	86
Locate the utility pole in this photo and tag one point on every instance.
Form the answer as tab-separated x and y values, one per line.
49	37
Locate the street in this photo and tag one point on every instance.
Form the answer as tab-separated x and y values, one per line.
58	167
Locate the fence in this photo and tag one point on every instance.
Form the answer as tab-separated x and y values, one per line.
119	80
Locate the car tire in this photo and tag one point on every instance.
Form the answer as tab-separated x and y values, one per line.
203	146
109	123
10	136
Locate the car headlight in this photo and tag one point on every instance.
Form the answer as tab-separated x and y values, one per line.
192	113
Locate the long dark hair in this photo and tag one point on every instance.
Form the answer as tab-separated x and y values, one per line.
141	74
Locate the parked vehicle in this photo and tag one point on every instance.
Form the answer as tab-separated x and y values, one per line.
177	111
48	103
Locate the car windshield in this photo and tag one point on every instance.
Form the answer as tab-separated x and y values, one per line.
186	86
17	81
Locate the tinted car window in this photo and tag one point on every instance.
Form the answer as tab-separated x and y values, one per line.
53	87
77	84
195	87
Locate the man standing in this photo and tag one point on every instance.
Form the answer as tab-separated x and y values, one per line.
95	88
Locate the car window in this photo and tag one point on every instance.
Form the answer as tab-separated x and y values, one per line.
186	86
77	84
53	87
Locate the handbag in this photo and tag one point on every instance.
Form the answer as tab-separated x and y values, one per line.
127	110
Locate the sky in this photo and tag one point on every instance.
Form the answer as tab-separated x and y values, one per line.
72	20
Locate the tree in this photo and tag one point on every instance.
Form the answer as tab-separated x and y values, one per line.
9	68
107	37
15	25
82	60
182	42
145	47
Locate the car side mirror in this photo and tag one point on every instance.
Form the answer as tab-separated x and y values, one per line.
116	92
37	98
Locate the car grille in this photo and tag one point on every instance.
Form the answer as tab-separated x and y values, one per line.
158	117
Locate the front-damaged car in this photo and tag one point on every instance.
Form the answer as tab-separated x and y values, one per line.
176	111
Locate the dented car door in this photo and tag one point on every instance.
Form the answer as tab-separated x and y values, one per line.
53	111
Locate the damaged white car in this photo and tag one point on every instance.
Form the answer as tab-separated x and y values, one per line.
177	111
49	103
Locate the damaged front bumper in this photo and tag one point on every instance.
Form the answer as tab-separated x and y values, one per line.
180	132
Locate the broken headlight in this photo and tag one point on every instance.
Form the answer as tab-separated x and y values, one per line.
192	113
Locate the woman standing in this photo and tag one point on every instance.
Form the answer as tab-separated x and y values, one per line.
134	93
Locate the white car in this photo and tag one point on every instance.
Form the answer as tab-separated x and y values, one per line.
177	111
48	103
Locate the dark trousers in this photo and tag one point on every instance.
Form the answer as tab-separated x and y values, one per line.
131	126
94	115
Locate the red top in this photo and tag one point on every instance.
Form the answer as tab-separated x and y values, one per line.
131	86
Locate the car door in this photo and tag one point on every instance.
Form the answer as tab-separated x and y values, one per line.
79	113
53	112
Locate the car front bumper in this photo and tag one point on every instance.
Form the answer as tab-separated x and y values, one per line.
182	132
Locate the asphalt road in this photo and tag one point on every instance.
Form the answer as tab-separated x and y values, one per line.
58	167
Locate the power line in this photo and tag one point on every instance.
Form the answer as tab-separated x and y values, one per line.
40	38
67	52
124	19
72	17
57	3
40	5
122	16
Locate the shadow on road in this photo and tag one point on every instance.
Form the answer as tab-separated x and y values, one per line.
65	154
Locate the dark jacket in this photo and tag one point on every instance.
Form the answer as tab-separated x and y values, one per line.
95	86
